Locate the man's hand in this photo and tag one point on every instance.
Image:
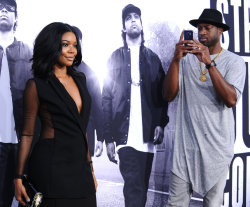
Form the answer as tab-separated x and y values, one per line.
182	48
201	52
99	149
158	135
111	152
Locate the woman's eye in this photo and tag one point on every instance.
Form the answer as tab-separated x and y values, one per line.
64	44
75	46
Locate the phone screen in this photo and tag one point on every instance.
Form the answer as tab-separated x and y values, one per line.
188	35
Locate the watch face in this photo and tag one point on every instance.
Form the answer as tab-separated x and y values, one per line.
208	66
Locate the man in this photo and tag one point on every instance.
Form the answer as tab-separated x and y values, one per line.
209	80
133	108
96	118
15	69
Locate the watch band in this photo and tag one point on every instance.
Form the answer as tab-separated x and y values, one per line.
211	64
17	176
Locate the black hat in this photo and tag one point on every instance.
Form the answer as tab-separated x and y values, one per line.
210	16
128	9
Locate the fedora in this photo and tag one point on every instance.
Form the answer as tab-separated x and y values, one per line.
210	16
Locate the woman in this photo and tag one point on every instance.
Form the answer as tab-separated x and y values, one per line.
60	166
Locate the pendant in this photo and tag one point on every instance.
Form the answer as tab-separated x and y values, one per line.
203	78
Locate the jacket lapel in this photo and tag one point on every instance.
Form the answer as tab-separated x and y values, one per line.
69	102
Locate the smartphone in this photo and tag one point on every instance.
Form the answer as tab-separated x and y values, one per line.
188	34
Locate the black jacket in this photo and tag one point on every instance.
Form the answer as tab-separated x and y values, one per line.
58	166
117	90
18	56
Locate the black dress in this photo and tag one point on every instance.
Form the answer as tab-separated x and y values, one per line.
58	165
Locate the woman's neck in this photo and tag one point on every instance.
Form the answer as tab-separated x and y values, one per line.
60	72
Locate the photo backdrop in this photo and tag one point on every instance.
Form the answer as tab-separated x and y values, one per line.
237	14
163	20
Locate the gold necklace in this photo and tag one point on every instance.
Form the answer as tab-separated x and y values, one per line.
203	76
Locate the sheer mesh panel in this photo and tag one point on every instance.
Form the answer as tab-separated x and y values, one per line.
32	108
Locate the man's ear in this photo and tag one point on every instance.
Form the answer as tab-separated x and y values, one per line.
220	29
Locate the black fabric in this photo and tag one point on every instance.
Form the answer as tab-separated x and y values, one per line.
58	165
7	169
117	90
210	16
135	167
90	201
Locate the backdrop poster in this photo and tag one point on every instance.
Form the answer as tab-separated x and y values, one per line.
163	20
236	14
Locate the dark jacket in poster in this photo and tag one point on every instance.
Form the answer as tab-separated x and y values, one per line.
96	117
18	56
116	95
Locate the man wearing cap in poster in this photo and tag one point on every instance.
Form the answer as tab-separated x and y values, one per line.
209	81
133	107
15	69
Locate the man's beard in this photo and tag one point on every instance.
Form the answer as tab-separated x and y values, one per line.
211	42
134	35
5	27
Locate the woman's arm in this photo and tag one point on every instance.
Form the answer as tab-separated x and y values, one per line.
31	104
91	163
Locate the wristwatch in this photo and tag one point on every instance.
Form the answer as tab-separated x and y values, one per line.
211	64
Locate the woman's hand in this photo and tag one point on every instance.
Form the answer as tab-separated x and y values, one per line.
20	192
94	180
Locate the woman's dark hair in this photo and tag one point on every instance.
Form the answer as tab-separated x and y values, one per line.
48	49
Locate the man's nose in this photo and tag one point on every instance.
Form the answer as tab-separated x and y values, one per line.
202	31
133	18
